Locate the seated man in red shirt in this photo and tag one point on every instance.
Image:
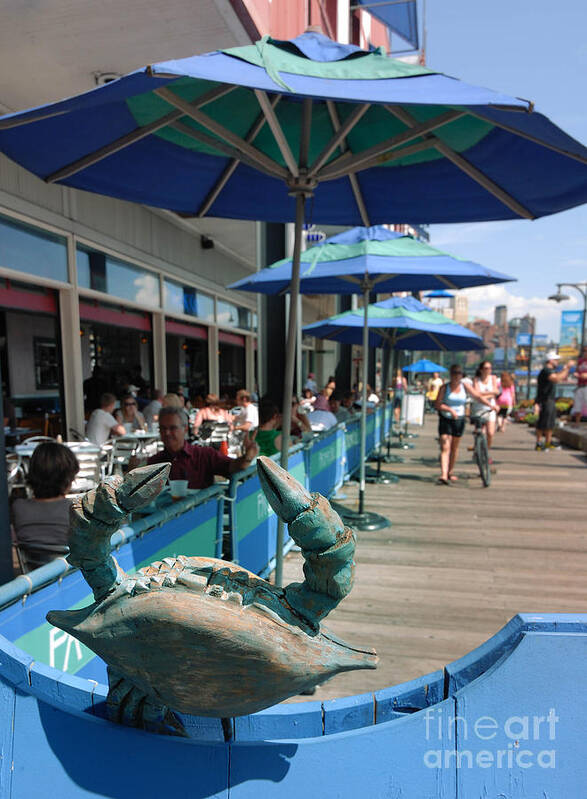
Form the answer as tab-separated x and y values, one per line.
197	465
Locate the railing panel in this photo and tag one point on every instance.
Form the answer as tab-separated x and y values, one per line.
193	532
254	521
324	461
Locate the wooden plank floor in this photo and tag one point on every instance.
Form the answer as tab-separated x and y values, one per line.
458	562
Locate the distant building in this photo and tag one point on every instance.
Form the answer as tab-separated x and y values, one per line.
527	324
460	305
500	315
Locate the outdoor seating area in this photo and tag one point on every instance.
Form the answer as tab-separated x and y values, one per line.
276	425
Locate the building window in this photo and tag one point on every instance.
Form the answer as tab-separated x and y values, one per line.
98	271
181	299
33	251
236	316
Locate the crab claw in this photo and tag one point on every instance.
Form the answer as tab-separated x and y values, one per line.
141	486
328	547
313	524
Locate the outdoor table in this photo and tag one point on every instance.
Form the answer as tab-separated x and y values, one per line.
140	437
25	450
17	432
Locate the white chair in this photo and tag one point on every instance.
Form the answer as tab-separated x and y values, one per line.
116	453
89	459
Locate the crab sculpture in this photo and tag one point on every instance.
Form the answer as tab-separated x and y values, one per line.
201	635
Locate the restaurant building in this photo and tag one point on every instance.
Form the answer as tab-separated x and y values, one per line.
101	293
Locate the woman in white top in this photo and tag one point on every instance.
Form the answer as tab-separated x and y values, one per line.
450	404
486	384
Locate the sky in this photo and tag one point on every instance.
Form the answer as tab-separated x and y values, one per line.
535	49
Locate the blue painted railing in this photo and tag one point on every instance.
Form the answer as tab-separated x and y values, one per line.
506	720
191	526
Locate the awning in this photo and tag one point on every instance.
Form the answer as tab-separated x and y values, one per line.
399	15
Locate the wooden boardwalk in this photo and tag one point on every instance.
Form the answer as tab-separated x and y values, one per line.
458	562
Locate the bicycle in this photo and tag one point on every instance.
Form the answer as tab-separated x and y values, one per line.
480	448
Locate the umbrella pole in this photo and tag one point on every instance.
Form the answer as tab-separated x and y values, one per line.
290	354
363	450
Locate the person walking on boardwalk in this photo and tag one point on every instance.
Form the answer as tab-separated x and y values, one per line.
450	405
545	398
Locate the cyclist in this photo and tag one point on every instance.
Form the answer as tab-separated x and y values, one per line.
486	384
450	405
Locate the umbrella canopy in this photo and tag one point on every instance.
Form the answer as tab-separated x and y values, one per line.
402	323
424	366
373	138
386	260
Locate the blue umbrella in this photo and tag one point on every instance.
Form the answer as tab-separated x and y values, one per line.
439	294
364	258
402	323
424	366
385	260
255	131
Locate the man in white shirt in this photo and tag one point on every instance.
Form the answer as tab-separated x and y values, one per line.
102	425
321	418
248	418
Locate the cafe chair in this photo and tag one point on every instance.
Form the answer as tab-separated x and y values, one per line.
32	557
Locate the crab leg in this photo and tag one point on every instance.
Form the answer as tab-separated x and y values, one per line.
95	516
328	547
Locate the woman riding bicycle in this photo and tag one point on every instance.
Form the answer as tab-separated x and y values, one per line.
450	405
486	384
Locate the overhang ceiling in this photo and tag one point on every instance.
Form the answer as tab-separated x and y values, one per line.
50	49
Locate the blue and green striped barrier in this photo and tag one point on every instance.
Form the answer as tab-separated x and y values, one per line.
253	522
324	461
188	527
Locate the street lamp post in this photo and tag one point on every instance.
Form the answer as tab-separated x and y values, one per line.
559	297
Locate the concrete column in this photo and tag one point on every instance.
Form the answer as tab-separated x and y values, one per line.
213	364
159	352
73	384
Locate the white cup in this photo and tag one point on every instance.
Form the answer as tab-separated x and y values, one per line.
179	488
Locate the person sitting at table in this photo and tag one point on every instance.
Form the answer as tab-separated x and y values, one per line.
268	437
197	465
322	418
213	412
129	416
248	418
299	419
151	411
102	425
43	521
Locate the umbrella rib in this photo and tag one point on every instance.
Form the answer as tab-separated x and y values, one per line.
219	130
133	136
218	144
351	163
229	170
277	131
356	188
447	282
437	341
483	180
529	137
341	133
465	166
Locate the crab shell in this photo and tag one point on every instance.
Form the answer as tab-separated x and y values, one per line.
209	638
